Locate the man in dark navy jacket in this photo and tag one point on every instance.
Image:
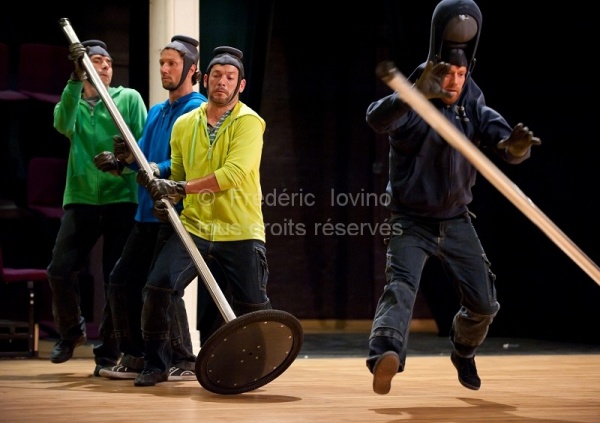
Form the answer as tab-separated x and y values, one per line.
430	189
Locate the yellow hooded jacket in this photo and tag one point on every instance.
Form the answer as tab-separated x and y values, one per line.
234	213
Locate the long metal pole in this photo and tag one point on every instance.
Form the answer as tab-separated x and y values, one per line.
199	262
397	82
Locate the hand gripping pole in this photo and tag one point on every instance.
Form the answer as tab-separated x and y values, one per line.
397	82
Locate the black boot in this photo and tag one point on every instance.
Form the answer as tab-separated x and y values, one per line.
63	350
467	372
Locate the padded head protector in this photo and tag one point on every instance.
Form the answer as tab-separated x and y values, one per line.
187	46
96	47
225	55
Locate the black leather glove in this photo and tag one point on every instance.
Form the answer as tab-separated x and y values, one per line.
107	162
519	141
143	178
122	151
430	81
76	53
161	188
161	211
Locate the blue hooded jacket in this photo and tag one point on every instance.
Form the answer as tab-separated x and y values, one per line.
155	144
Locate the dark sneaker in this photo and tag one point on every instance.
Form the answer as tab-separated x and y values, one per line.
177	374
384	370
119	372
98	369
467	372
63	350
150	378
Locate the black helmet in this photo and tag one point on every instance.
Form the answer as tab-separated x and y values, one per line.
455	25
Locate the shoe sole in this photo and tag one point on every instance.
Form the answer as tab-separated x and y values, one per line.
182	378
118	375
384	371
466	385
462	382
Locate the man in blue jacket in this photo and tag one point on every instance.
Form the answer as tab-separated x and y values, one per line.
179	73
430	189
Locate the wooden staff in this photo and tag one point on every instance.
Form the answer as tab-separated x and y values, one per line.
397	82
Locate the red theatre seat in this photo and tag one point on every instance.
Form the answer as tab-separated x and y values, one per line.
13	331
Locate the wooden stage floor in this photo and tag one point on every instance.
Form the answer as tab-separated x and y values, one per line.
531	381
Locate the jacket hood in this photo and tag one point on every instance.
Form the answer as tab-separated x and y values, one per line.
455	24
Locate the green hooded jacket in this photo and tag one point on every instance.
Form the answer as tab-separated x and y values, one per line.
90	131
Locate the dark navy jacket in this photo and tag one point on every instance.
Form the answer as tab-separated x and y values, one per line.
427	176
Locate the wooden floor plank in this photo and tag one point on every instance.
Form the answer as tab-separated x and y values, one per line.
515	388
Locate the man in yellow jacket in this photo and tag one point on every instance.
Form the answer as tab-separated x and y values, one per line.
215	167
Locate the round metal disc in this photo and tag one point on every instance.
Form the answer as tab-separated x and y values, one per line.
249	352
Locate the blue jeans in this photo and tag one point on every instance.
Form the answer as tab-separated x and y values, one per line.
456	244
242	277
81	227
127	281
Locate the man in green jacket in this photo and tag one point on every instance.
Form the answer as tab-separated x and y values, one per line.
96	204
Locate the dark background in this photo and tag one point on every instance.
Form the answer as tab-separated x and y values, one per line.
311	76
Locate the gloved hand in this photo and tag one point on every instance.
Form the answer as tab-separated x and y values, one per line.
430	81
519	141
76	53
161	211
161	188
143	178
107	162
122	151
